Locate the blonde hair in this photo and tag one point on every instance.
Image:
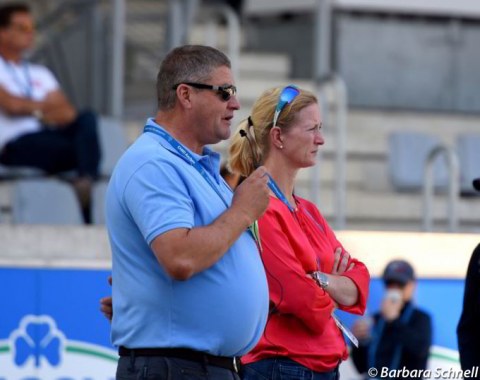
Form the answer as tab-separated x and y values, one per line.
257	129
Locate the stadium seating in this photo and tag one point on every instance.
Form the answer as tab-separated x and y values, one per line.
112	143
44	201
468	150
98	202
408	152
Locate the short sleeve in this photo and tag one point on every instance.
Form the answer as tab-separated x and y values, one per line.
157	198
49	82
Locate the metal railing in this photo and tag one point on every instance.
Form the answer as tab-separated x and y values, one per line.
118	58
182	14
453	187
233	32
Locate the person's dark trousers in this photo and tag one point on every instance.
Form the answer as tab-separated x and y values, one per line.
166	368
284	369
74	147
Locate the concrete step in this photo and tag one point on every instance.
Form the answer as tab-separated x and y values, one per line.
200	35
273	67
137	8
392	208
367	131
365	208
268	69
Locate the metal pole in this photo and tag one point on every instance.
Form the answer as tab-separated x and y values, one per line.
427	196
323	76
210	33
96	39
322	39
453	190
233	32
321	69
341	153
233	39
174	22
118	54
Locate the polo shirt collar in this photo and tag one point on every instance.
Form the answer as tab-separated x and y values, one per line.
209	159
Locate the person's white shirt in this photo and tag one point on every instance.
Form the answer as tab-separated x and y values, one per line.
23	79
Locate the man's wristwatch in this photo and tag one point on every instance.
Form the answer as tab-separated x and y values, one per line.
322	279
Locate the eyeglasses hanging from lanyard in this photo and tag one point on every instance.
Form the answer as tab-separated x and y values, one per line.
287	95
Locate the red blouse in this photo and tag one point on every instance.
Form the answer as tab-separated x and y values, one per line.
300	326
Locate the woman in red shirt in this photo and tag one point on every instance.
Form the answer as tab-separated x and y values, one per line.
309	272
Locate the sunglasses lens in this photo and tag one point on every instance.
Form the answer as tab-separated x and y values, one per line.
225	94
286	97
288	94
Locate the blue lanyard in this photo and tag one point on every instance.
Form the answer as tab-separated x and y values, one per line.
188	157
278	193
377	336
25	87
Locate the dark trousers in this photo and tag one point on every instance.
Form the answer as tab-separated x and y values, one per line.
73	147
168	368
284	369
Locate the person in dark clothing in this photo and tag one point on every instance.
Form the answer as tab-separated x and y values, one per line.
400	334
468	329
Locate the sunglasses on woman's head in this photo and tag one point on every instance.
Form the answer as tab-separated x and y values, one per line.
286	97
225	92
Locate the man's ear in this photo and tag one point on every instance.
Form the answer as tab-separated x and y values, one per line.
183	96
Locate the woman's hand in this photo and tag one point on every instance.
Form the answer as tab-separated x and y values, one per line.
340	262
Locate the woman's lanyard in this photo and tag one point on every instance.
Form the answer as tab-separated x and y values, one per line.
344	329
189	158
25	86
377	336
278	193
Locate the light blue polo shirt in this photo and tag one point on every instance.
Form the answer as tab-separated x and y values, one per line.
221	310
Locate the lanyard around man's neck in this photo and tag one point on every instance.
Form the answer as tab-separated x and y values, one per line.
190	159
25	86
187	157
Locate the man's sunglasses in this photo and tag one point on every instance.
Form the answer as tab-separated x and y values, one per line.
286	97
23	28
225	92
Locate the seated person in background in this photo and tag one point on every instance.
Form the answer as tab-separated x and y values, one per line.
38	126
400	334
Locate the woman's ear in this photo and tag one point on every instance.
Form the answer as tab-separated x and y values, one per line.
276	137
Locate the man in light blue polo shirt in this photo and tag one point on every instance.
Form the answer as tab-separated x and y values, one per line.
189	289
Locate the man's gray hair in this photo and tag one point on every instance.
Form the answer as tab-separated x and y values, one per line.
189	63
